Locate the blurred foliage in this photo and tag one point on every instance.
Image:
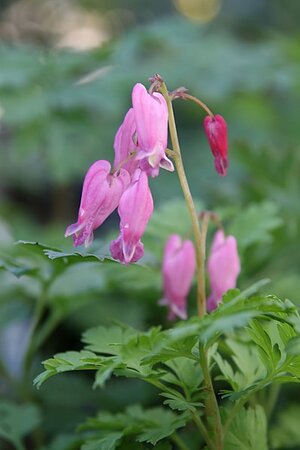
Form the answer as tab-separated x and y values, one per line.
59	111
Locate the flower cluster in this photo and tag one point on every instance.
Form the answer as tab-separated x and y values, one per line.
178	270
140	145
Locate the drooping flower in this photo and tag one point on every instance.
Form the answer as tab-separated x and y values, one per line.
124	143
151	119
101	194
117	251
223	267
178	270
135	210
216	132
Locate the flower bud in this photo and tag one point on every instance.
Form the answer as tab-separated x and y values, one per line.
223	267
101	193
151	118
135	210
216	132
178	270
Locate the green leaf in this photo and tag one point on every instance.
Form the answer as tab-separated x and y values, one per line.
62	260
159	424
136	348
150	425
256	224
17	421
178	402
285	433
240	367
108	340
248	431
69	361
108	442
64	442
293	346
105	372
184	372
16	269
76	257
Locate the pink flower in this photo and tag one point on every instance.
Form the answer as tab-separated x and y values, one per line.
101	193
117	252
124	143
135	210
151	118
223	267
178	270
216	131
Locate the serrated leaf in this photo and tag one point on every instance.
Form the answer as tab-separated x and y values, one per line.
108	340
178	402
105	372
76	257
63	260
67	362
248	431
256	224
150	425
160	424
285	433
293	346
108	442
184	372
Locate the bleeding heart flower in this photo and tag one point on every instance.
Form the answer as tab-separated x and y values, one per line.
178	270
223	267
124	144
151	118
101	193
135	210
216	131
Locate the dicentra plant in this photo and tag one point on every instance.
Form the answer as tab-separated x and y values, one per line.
218	373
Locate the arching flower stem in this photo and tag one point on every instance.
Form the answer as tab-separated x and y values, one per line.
199	102
199	241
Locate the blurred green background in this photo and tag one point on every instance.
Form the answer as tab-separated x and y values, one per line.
66	72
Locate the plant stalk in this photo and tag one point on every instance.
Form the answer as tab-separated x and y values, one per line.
201	427
211	404
212	407
179	442
201	298
37	316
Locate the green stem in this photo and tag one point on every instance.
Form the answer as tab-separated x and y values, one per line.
212	407
201	298
179	442
272	399
199	102
38	313
201	427
46	329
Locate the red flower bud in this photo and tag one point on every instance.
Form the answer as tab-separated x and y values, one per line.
216	131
